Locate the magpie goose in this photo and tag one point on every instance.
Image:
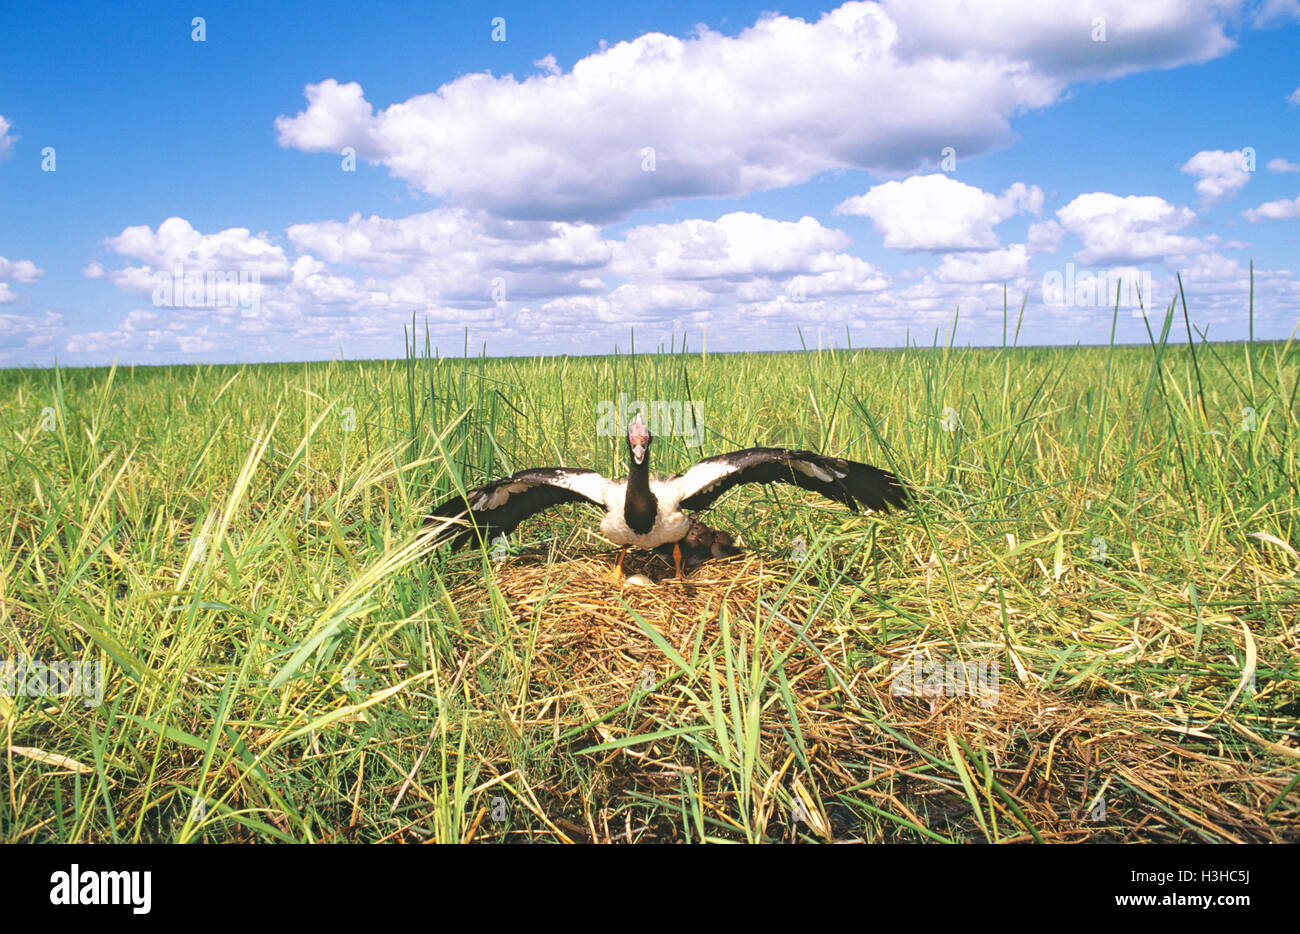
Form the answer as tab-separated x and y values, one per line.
646	512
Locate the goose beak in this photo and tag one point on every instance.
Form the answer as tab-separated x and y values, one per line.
638	453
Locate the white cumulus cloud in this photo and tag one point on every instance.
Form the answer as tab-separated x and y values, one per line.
22	270
1044	237
1116	229
22	334
178	265
1220	175
6	140
1277	13
1062	38
740	245
658	118
359	279
935	212
1280	210
152	332
994	266
176	242
452	255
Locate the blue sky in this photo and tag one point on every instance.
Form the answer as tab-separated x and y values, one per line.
672	169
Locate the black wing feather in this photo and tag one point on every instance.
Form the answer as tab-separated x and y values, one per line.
504	518
861	484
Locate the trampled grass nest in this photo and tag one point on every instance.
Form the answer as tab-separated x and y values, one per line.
655	686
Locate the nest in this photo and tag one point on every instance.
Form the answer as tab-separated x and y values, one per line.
648	692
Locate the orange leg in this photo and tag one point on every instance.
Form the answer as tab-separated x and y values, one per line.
677	558
618	569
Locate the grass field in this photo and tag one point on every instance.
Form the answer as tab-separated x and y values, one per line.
1110	531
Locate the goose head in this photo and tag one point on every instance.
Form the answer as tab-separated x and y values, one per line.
638	441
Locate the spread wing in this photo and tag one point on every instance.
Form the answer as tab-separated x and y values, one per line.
843	481
496	508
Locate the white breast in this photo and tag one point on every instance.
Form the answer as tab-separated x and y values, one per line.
671	525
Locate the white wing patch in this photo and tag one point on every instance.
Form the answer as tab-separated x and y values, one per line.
703	477
498	496
591	485
699	479
809	469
